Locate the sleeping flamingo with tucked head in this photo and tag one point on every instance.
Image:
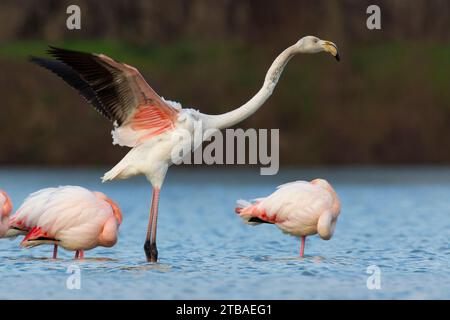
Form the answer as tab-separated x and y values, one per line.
298	208
149	124
71	217
5	209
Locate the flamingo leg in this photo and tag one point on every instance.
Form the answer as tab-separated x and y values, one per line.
150	242
302	247
55	251
79	254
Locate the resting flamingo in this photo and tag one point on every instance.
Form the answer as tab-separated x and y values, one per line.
71	217
298	208
148	124
5	209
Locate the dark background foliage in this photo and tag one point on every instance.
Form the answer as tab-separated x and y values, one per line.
387	102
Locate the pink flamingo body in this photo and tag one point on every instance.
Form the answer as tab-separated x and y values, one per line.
298	208
71	217
5	210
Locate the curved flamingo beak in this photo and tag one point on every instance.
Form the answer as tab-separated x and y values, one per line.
7	206
331	48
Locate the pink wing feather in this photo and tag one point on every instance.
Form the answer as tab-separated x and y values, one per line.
118	91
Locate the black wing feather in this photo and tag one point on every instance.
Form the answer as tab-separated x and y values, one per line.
75	81
109	84
258	220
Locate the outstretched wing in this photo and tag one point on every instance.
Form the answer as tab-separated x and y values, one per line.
74	80
116	90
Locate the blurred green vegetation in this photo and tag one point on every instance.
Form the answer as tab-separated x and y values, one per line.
386	102
383	103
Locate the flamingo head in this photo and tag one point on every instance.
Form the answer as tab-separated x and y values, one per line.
312	44
116	209
336	202
5	204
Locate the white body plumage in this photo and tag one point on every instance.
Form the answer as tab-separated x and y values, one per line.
153	156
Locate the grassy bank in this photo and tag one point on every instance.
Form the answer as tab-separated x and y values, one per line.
384	103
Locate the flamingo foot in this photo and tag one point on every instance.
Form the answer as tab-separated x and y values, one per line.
151	251
302	247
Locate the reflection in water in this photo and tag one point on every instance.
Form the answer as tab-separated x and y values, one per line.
147	266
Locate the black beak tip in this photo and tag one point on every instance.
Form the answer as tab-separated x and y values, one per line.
338	58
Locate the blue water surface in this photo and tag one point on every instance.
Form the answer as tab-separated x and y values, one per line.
397	219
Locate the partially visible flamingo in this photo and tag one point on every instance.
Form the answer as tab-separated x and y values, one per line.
298	208
5	209
149	124
71	217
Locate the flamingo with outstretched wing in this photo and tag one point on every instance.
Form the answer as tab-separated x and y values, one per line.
149	124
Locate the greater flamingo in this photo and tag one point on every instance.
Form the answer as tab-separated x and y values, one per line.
5	210
149	124
71	217
298	208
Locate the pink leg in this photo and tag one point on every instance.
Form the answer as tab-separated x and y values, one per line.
55	251
150	242
150	220
79	254
302	247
